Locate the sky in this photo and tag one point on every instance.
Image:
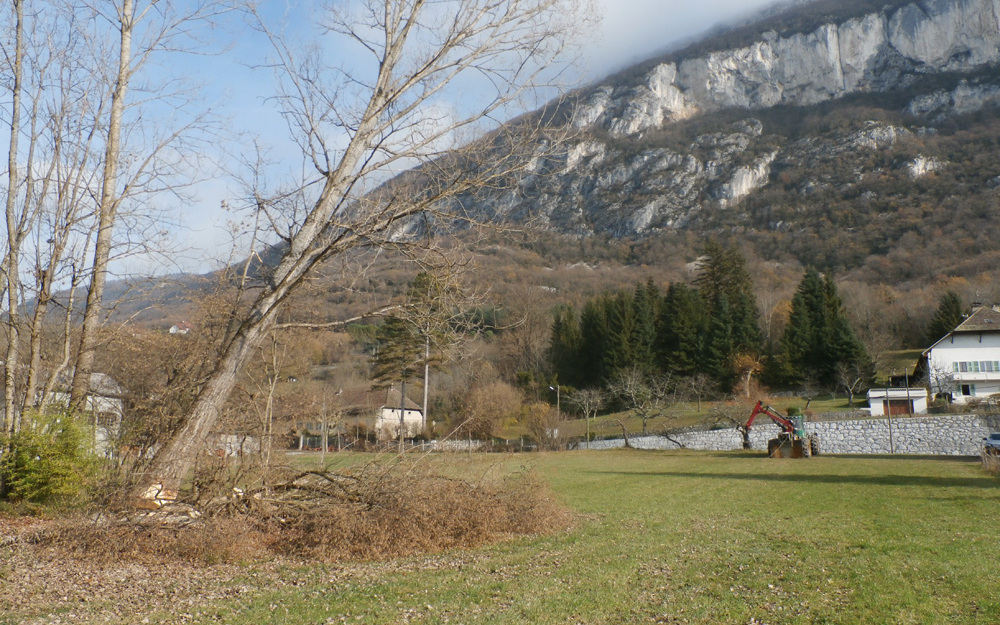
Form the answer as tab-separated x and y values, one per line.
629	31
633	30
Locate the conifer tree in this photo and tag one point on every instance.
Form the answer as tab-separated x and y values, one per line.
819	340
593	347
681	329
399	352
565	346
719	343
728	293
946	318
645	304
619	353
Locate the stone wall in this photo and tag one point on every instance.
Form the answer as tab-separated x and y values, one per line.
953	435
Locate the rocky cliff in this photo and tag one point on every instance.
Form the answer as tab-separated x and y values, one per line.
758	135
876	52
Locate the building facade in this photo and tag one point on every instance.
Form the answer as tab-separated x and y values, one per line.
964	364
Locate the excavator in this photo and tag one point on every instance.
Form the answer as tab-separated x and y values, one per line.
792	442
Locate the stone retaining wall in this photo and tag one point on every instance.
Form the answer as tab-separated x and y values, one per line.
953	435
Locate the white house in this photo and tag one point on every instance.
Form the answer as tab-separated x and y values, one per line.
965	363
388	421
893	401
103	403
352	411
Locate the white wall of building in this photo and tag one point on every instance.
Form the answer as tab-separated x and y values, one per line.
967	348
387	423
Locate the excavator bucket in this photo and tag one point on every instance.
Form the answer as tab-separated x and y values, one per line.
785	448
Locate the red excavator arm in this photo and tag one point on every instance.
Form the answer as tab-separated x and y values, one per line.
784	423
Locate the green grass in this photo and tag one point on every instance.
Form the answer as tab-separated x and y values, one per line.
696	537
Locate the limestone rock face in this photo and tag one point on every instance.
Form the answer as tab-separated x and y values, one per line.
642	161
869	53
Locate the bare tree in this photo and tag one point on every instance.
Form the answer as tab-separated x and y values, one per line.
645	395
487	407
698	386
746	365
589	401
356	129
853	377
734	414
144	28
10	268
544	423
50	136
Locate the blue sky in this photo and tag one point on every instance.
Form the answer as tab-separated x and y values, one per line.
629	31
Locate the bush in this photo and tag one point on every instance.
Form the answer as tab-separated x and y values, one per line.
372	512
47	461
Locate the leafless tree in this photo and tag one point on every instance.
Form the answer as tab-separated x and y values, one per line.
81	156
646	395
545	425
144	28
941	380
356	129
852	377
10	268
698	386
734	414
589	401
488	406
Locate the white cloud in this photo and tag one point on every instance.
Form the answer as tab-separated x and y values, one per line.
634	30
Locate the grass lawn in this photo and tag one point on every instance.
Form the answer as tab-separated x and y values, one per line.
682	537
663	537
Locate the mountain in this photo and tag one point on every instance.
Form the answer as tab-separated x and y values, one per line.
854	135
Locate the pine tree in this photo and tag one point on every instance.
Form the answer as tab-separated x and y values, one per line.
565	347
819	341
645	304
595	337
947	317
399	352
682	326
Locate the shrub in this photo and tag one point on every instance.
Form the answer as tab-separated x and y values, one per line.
372	512
47	461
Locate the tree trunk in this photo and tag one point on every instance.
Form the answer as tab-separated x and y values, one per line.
427	381
174	461
107	213
10	262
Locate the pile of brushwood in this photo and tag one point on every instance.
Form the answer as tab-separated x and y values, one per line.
380	510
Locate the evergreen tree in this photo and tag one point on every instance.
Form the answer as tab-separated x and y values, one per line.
619	350
400	351
728	294
818	341
844	348
946	318
645	305
681	330
722	271
595	337
565	346
718	354
746	333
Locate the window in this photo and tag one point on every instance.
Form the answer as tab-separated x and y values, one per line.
976	366
968	390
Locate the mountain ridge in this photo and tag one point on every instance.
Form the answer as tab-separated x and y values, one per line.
722	142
